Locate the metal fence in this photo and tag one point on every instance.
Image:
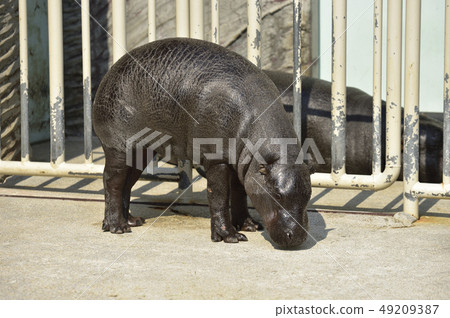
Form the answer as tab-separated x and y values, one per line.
189	23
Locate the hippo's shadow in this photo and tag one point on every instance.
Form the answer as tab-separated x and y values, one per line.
317	232
317	227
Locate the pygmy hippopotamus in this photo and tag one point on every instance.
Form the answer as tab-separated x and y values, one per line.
316	124
190	90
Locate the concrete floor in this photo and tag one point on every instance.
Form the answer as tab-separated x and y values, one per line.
53	247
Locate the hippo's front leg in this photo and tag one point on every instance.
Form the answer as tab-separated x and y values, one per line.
219	198
240	218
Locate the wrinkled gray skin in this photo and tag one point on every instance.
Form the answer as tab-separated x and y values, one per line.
316	124
225	93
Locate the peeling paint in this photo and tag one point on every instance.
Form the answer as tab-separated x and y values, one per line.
57	130
257	40
87	99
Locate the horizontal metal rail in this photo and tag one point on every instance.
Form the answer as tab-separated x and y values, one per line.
93	171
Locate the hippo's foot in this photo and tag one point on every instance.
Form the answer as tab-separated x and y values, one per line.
248	225
135	220
116	229
228	236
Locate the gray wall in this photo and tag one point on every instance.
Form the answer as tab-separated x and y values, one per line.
9	80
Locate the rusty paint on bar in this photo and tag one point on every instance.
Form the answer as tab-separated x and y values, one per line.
446	147
215	21
254	32
338	88
23	46
297	92
87	98
411	116
377	71
393	86
56	81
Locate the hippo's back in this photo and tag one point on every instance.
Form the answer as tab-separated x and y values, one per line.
168	83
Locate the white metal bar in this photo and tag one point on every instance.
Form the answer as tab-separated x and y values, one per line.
393	115
254	32
151	20
182	17
87	98
297	92
68	170
441	190
56	81
377	75
431	190
315	34
394	85
196	19
411	116
446	153
215	21
119	29
338	88
23	45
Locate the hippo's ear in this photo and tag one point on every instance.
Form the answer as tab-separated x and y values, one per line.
262	169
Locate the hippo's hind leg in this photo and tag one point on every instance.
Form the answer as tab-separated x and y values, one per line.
132	177
218	190
240	218
114	179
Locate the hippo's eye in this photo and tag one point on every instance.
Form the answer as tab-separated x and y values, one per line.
277	196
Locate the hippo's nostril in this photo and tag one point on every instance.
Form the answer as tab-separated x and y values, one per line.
289	235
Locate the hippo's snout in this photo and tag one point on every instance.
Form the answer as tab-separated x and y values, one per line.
289	233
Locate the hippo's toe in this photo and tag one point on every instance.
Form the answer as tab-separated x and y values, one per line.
228	236
135	220
249	225
119	228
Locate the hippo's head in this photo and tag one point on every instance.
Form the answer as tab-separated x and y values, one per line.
280	194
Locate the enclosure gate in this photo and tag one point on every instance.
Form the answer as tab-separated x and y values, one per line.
189	23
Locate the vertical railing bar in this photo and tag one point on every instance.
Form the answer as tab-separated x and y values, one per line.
151	20
215	21
315	37
377	72
119	29
393	82
196	19
87	99
297	69
23	45
56	82
338	88
254	32
182	18
411	100
183	30
446	147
